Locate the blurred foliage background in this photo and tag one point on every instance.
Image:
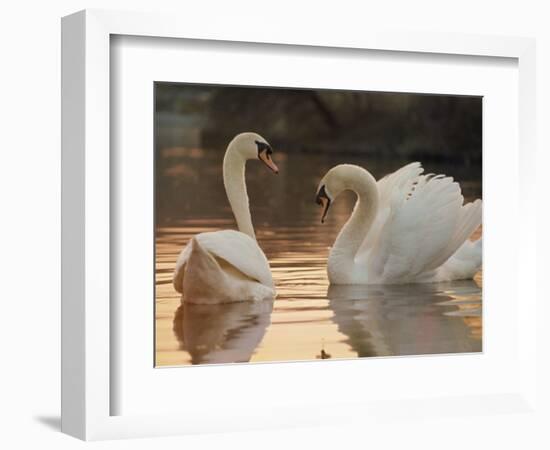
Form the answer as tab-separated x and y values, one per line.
310	131
382	125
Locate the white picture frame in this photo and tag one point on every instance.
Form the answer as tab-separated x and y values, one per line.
86	219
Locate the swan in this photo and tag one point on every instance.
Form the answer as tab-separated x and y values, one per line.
406	228
229	266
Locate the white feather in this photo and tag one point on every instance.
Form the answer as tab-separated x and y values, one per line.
408	226
235	248
227	266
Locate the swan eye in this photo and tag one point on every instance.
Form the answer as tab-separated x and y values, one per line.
321	194
263	147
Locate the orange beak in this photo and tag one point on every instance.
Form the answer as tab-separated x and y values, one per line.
266	158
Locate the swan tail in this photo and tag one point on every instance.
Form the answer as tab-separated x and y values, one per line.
465	263
179	271
199	271
470	251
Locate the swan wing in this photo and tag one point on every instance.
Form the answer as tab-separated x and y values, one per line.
426	223
401	180
390	188
235	248
470	216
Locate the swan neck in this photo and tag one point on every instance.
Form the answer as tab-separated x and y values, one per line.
355	230
235	188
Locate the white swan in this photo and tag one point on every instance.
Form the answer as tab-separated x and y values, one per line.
405	228
229	266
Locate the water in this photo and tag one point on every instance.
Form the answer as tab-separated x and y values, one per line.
309	319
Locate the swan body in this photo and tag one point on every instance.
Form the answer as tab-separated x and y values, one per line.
228	266
405	228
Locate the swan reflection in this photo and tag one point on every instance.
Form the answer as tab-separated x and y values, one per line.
221	333
408	319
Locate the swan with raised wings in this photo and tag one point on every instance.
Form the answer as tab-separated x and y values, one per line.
406	228
229	266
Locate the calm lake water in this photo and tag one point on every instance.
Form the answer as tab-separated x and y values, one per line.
308	319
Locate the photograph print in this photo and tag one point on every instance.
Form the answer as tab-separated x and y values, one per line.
309	224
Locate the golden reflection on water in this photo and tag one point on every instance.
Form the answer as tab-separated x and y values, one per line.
309	317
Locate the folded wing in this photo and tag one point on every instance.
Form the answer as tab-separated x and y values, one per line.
233	247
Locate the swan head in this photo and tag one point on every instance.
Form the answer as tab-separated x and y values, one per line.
323	199
253	146
338	179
